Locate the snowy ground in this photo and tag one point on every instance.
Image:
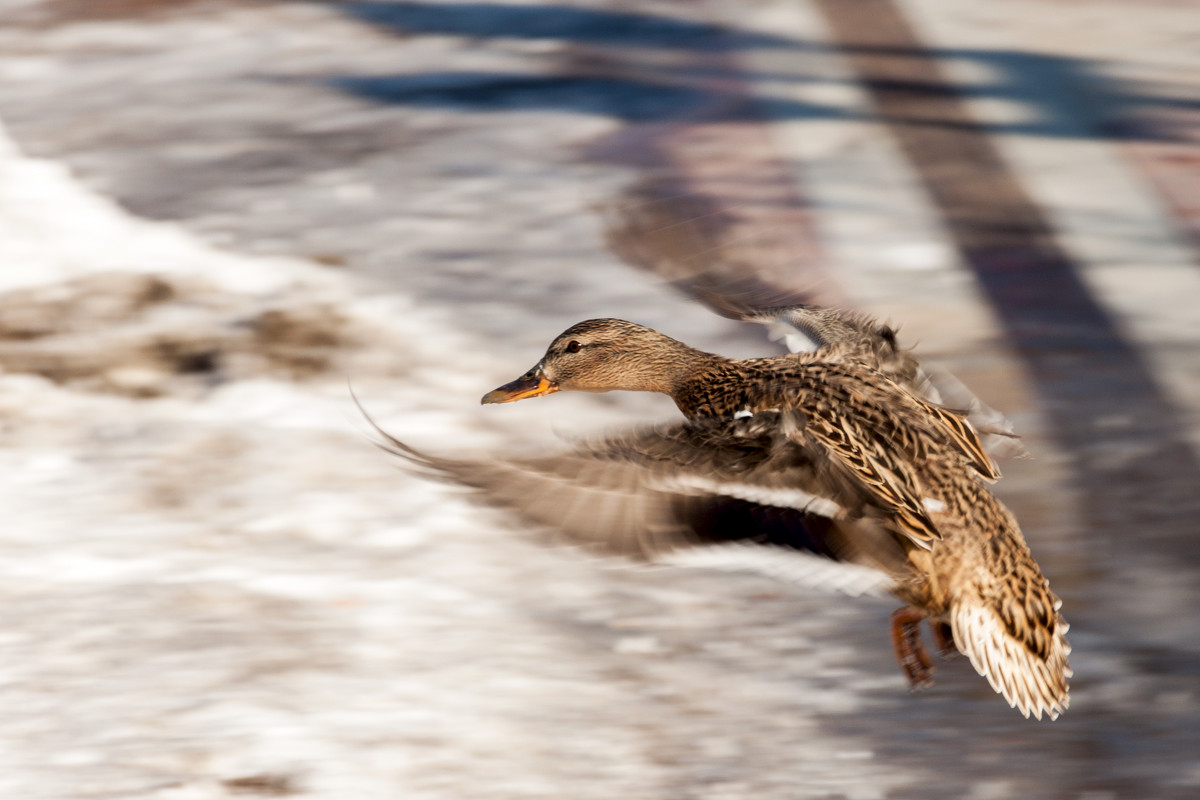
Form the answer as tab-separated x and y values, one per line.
213	215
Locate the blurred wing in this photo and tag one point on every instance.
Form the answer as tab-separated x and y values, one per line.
673	496
993	430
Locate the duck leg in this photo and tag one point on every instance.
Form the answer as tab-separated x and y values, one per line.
943	636
910	651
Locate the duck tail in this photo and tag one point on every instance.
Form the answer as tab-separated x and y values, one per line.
1020	646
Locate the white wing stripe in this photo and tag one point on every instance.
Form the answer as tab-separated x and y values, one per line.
780	498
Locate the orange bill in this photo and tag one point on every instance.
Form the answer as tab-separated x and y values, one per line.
531	384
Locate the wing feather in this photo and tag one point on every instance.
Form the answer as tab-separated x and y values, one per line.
962	434
678	494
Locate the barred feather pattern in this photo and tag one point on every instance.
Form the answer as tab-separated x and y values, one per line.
869	425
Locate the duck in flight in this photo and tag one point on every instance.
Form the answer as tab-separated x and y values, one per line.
843	457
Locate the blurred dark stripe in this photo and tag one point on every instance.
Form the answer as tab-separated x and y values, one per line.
1137	475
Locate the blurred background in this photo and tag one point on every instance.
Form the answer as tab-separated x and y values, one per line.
214	214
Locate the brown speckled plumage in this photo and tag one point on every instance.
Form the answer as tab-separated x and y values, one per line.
839	453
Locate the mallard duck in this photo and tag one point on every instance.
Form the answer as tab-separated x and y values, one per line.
841	454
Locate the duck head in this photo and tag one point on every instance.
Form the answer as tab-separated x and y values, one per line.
600	355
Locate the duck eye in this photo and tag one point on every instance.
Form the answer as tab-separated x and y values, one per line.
573	346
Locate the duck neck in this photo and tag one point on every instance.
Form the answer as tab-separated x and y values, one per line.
686	366
693	383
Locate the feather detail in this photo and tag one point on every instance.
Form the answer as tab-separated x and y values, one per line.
963	435
1032	683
